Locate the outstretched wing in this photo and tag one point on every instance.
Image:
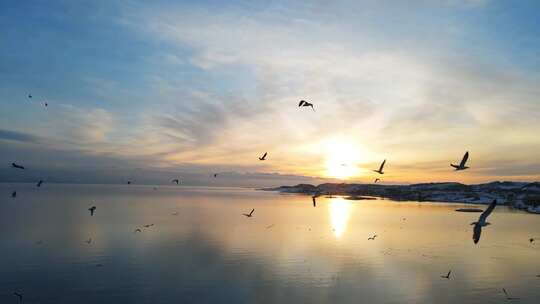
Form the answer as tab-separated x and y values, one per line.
476	232
464	160
301	103
487	212
382	165
264	156
252	210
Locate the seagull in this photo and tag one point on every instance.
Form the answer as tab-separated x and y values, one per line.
482	221
376	180
175	181
92	209
264	156
372	238
18	295
380	171
129	182
137	230
304	103
507	296
250	214
447	276
461	165
149	225
30	96
39	183
14	194
14	165
215	174
269	226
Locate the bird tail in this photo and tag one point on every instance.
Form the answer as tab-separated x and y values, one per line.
455	166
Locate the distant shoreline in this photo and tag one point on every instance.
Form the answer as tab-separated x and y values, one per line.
520	195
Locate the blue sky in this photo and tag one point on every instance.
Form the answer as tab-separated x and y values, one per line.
198	87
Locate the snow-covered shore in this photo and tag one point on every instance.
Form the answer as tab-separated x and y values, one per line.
520	195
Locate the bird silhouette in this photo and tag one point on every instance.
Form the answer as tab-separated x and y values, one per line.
137	230
14	165
508	297
264	156
30	96
447	276
175	181
249	214
531	240
39	183
477	230
304	103
129	182
376	180
461	165
148	225
92	210
380	171
215	174
14	194
18	295
372	238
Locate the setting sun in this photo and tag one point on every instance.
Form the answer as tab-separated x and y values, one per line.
341	159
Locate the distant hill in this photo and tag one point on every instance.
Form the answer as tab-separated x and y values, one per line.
517	194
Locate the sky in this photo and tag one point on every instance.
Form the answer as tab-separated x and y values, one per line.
149	91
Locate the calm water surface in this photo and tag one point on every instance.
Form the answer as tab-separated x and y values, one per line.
288	252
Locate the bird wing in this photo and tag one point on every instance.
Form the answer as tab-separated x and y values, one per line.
476	232
449	272
382	165
487	212
301	103
252	210
464	160
264	156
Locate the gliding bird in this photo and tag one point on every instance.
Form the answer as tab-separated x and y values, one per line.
264	156
461	165
304	103
447	276
249	214
477	230
14	165
380	171
92	209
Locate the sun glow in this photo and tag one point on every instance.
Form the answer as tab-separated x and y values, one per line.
340	211
341	159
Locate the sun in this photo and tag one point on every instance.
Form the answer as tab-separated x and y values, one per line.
342	157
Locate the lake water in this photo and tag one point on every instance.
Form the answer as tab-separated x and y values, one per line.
288	252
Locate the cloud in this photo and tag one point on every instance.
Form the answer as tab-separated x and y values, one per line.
17	136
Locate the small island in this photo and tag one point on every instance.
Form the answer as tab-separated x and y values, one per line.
520	195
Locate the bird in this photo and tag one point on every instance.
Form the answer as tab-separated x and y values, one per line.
304	103
137	230
264	156
18	295
89	241
129	182
447	276
14	194
92	209
372	238
39	183
249	214
477	230
531	240
148	225
314	201
46	104
376	180
215	174
269	226
14	165
508	297
175	181
380	171
461	165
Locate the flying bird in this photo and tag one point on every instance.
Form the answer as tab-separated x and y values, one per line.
376	180
92	209
137	230
372	238
18	295
508	297
304	103
477	230
14	194
39	183
461	165
14	165
269	226
447	276
264	156
148	225
46	104
30	96
89	241
215	174
249	214
531	240
129	182
175	181
380	171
